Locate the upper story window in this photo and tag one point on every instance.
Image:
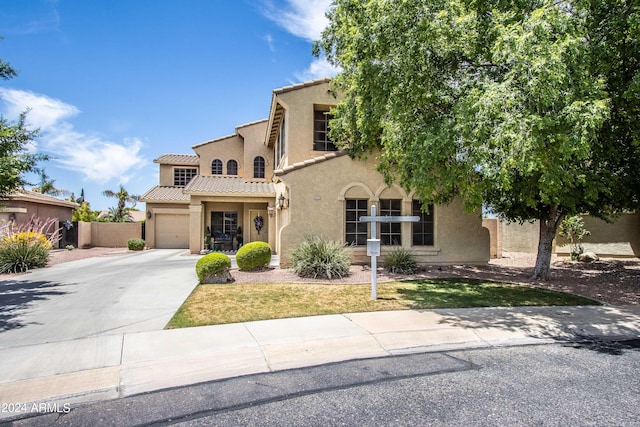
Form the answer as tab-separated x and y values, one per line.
321	141
391	232
280	147
232	167
216	167
182	176
422	234
258	167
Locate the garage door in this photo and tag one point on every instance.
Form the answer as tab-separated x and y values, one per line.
172	231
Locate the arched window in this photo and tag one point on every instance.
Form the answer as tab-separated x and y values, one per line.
258	167
232	167
216	167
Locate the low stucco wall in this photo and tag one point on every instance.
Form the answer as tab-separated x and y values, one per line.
620	238
495	236
107	234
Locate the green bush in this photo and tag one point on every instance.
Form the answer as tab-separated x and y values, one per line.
213	265
135	244
23	251
400	261
253	256
318	257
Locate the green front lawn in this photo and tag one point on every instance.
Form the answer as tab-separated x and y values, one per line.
231	303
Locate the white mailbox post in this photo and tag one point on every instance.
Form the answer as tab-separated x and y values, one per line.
373	244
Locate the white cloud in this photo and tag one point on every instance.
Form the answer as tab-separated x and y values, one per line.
318	69
44	112
97	159
302	18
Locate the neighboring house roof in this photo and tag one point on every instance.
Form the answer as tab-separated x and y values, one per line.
309	162
165	194
178	159
214	185
35	197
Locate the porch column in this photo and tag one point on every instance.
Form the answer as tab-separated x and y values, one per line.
196	228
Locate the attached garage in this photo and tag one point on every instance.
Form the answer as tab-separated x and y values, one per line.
172	231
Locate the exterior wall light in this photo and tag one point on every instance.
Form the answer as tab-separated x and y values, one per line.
283	202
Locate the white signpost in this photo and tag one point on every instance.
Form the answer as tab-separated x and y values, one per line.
373	244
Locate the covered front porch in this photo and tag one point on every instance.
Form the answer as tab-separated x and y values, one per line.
232	213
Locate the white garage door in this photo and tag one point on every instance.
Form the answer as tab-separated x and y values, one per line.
172	231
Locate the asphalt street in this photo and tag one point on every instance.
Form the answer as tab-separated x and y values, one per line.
552	384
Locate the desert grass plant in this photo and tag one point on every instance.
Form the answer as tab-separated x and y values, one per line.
318	257
27	246
400	261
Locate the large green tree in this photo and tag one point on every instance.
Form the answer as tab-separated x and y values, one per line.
15	158
529	107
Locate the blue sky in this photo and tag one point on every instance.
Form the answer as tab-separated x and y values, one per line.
113	84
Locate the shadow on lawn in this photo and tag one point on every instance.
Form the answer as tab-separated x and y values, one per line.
16	296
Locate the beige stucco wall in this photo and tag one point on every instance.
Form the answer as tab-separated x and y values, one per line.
299	106
518	237
254	135
226	149
107	234
22	211
620	238
495	233
317	194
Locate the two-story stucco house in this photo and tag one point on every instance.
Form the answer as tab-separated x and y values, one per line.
281	179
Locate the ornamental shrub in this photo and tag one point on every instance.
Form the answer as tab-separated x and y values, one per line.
213	268
253	256
24	250
318	257
135	244
399	260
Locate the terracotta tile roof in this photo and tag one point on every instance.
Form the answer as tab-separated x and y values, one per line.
33	196
165	194
214	185
178	159
309	162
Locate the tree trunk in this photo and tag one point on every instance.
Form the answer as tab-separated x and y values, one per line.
548	227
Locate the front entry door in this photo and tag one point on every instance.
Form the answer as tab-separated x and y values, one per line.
259	220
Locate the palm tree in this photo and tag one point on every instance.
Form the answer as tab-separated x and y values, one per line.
46	185
120	213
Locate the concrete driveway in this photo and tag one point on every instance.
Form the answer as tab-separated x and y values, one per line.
95	297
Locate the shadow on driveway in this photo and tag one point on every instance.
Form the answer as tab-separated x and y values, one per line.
18	295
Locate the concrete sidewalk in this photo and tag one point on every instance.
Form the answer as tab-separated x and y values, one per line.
125	364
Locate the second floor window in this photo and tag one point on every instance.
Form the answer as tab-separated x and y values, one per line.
232	167
321	141
258	167
182	176
216	167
